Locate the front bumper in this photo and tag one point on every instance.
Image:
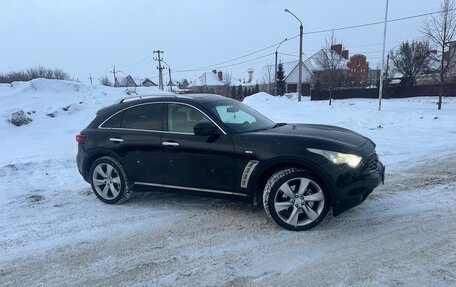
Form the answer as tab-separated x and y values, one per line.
357	189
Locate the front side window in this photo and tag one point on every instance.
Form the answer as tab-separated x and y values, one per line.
144	117
183	118
239	118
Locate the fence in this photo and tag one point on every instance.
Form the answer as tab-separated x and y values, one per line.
389	93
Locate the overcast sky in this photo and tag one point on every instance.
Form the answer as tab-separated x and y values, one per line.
90	36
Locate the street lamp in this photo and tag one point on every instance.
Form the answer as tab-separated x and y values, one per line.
300	54
275	74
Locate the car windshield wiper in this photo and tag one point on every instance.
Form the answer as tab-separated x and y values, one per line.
279	125
273	127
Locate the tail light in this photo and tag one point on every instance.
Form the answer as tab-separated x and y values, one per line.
81	138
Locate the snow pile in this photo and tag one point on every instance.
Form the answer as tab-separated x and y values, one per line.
58	109
404	131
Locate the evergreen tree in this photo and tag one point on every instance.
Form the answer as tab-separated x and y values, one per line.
257	89
280	80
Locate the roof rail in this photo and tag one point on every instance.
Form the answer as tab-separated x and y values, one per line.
132	98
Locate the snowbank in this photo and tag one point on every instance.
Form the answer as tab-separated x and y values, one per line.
405	130
59	109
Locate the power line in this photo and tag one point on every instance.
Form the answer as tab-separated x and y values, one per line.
217	65
226	66
316	32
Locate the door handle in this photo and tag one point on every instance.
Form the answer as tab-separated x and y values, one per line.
116	140
171	144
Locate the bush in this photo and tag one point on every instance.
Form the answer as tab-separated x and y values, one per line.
34	73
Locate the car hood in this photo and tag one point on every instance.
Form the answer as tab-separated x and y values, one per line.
319	132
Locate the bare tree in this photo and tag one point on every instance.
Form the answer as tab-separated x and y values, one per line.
268	77
331	66
411	59
105	81
441	30
227	79
34	73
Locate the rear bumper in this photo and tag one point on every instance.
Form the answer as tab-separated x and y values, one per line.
81	159
358	190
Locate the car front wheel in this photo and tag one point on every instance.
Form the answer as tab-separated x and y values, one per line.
110	181
295	199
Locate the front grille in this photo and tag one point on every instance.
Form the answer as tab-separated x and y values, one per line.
373	161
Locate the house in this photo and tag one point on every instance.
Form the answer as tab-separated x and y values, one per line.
183	84
358	70
148	83
125	81
208	79
209	82
292	79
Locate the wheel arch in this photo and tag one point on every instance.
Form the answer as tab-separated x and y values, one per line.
96	154
263	173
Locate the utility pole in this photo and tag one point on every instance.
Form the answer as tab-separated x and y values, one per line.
170	81
90	78
114	72
380	90
160	68
275	71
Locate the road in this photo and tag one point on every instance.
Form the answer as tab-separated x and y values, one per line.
403	234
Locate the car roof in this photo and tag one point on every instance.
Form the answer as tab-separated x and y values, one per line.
199	98
165	97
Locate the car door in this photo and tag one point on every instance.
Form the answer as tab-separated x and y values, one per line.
137	142
199	162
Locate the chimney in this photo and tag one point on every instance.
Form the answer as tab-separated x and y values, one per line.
220	75
337	48
345	54
446	56
214	71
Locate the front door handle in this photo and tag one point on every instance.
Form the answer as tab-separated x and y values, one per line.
116	140
171	144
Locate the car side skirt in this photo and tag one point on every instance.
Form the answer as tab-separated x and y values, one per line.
190	188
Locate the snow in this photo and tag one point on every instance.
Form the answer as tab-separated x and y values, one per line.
73	104
405	130
55	232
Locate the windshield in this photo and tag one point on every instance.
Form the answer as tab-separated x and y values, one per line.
238	117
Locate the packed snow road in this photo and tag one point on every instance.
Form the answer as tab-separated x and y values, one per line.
55	232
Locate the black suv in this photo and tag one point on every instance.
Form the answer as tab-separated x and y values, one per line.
209	143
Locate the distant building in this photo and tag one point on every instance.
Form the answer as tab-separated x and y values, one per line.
358	70
183	84
148	83
292	79
126	81
209	82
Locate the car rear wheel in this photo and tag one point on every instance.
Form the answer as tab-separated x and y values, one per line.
110	181
295	199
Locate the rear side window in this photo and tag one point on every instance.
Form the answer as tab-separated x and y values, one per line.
144	117
113	122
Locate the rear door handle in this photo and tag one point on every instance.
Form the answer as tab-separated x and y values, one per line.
172	144
116	140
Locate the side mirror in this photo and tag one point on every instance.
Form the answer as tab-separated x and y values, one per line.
205	129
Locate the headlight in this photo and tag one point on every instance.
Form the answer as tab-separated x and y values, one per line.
338	158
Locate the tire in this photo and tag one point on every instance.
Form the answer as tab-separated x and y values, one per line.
295	199
109	181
